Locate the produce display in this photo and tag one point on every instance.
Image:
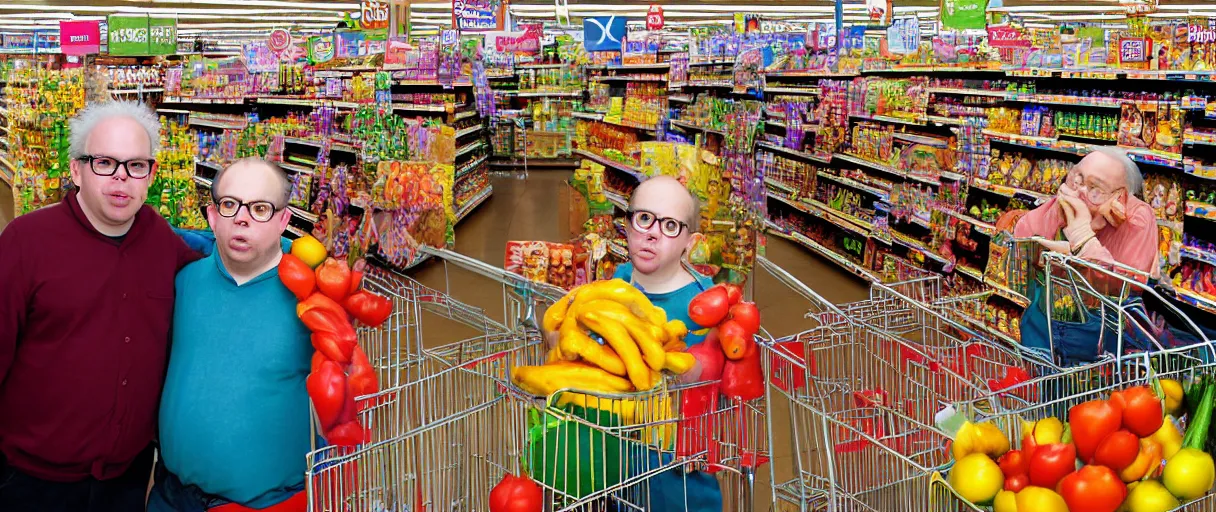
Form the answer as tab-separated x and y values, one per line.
330	302
1124	453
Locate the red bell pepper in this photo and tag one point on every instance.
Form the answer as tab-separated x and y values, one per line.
369	308
327	389
1091	422
319	300
335	348
1016	468
734	293
744	379
516	494
350	433
317	359
1117	451
709	307
333	279
362	376
709	354
1093	489
1051	462
297	276
356	281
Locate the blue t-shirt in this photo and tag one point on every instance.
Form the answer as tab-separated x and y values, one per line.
675	302
234	413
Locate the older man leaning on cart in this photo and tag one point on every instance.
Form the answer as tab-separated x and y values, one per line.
1096	216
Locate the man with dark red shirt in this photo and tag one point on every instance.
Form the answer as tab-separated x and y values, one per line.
85	311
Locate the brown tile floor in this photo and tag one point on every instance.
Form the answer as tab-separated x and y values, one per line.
535	209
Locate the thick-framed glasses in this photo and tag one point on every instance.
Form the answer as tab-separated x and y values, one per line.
642	220
261	211
137	168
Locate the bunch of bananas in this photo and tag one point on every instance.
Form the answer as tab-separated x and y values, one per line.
639	343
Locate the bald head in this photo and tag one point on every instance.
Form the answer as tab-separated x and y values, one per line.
277	178
666	196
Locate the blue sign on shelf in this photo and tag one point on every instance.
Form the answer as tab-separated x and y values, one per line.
603	33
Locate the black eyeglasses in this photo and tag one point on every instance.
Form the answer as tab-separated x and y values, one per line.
261	211
137	168
642	220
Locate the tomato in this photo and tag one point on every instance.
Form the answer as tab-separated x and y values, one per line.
1013	462
1050	463
356	280
735	340
362	376
327	389
516	494
709	307
297	276
319	300
1118	450
734	293
1143	413
333	279
744	379
1093	489
369	308
747	315
1016	482
1092	421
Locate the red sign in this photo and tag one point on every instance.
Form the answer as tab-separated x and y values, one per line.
279	40
654	17
1007	37
79	37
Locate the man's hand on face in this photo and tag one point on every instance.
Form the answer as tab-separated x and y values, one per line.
1077	219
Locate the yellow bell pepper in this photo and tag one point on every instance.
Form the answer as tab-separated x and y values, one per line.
983	438
1147	461
1044	431
1029	499
1169	437
1173	396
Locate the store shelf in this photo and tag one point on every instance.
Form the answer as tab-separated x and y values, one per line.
204	101
464	115
792	152
469	131
809	91
1075	101
884	168
691	126
898	238
969	92
979	225
473	203
627	78
889	119
654	65
544	94
1197	254
819	249
295	231
817	209
300	213
7	170
217	124
469	147
920	139
338	146
296	168
861	227
542	66
419	107
780	186
469	167
172	111
1150	158
151	90
682	98
1007	191
882	195
588	115
1196	300
628	169
947	121
626	124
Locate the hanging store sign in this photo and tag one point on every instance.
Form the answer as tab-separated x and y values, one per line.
321	49
127	35
279	40
603	33
79	37
162	36
477	15
654	17
373	14
964	14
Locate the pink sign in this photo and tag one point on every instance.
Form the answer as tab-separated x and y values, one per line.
79	37
1007	37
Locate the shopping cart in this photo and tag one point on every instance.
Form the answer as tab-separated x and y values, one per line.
862	402
431	421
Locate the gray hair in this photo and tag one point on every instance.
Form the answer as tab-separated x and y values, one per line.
274	167
1131	171
82	125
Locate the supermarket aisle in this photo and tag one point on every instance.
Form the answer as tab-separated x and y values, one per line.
535	209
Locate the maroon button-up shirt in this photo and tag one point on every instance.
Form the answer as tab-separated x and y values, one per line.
84	338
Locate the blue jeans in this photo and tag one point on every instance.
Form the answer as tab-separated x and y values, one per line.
169	494
676	490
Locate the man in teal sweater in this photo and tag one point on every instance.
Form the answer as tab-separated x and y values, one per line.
234	414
